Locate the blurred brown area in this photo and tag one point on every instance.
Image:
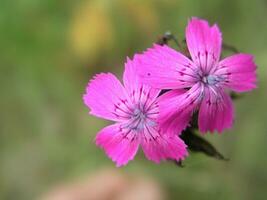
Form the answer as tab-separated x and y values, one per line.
108	184
49	51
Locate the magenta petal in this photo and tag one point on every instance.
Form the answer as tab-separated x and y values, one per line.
164	147
175	124
164	68
216	112
174	115
240	72
103	94
119	146
176	108
137	90
204	43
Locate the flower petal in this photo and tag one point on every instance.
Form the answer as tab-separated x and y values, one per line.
216	112
106	97
137	90
175	124
204	43
240	72
163	146
121	145
164	68
172	120
176	108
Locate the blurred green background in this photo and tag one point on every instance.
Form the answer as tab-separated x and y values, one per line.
49	51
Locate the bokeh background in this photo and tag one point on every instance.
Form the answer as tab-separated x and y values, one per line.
49	51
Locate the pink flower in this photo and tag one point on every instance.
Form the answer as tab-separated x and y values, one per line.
134	108
200	83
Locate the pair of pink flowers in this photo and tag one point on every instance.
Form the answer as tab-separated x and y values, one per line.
200	84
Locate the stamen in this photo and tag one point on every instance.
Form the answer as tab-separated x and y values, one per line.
212	79
141	117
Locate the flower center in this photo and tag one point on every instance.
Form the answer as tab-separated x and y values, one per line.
140	118
138	113
210	79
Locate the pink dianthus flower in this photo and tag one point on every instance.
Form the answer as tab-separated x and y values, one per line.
200	84
134	108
